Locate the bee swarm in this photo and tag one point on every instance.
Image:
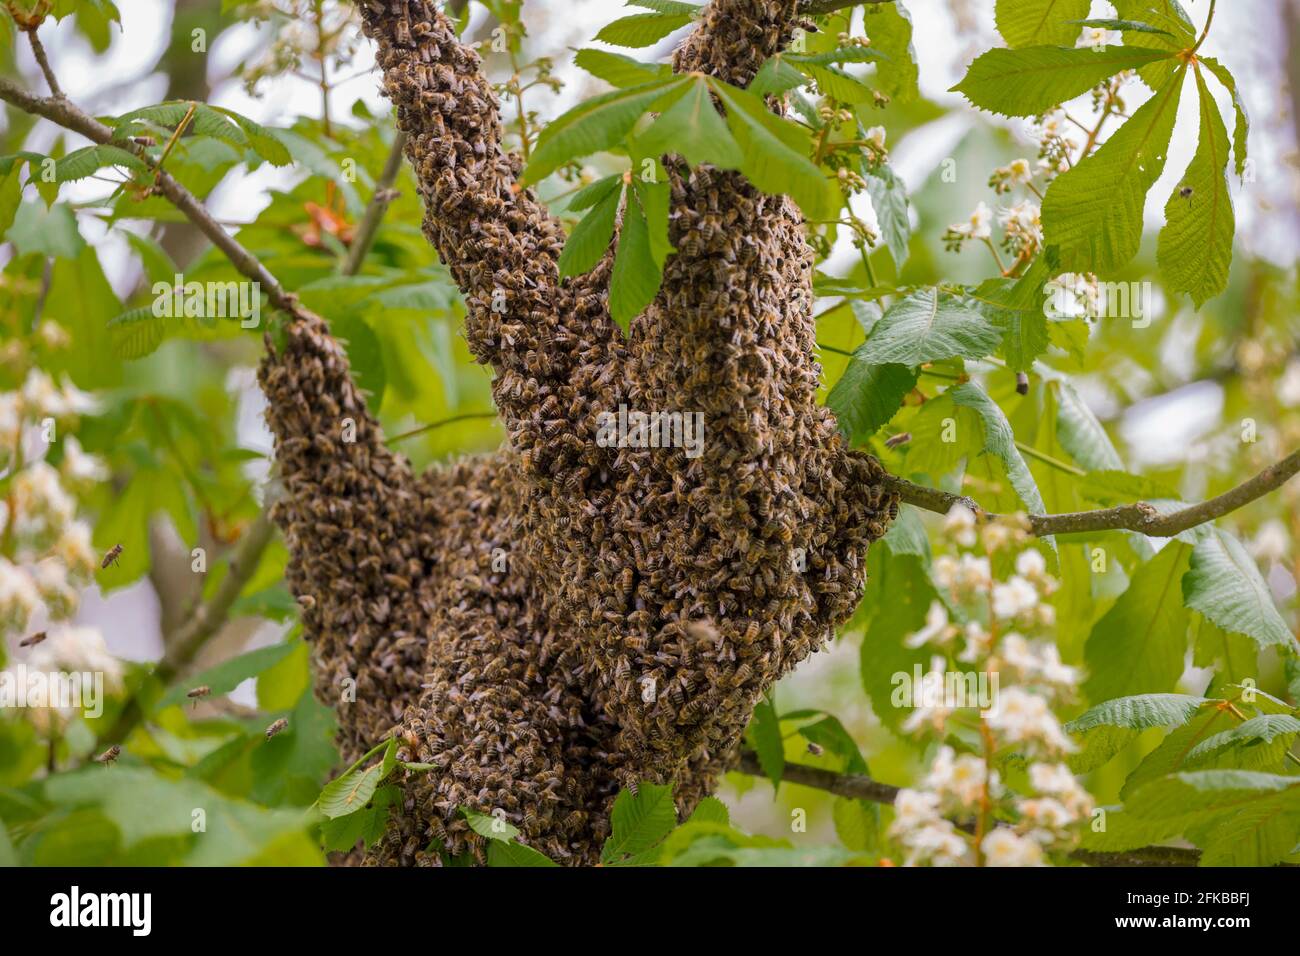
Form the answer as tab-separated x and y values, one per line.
648	599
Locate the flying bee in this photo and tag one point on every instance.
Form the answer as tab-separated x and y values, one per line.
33	640
815	749
198	692
109	755
1185	192
111	556
902	438
276	727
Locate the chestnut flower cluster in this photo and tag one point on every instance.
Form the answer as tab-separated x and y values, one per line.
46	555
999	626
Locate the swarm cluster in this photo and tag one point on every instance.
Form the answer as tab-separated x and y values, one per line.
557	620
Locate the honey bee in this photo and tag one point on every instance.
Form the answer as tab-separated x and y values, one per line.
815	749
33	640
111	556
198	693
276	727
109	755
902	438
1185	192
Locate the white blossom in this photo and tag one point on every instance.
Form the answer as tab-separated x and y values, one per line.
1014	598
1025	718
959	524
1003	847
937	628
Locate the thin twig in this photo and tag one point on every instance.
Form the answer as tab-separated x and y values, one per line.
859	787
38	50
466	416
1139	516
376	208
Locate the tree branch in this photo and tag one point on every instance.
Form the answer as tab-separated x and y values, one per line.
858	787
70	116
1140	516
374	214
38	51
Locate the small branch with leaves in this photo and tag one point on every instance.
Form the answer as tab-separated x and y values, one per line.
1139	516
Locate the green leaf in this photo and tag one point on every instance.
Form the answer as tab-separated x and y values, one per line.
1016	306
1138	645
691	127
226	676
777	75
635	278
365	826
7	856
638	822
589	195
1279	729
146	807
1195	249
365	355
48	230
264	142
1118	487
1171	755
89	160
595	125
655	199
668	6
1177	34
899	594
619	70
642	29
765	735
888	195
835	83
927	326
349	792
1032	80
1092	214
867	396
1040	22
890	27
710	810
1000	441
137	332
1128	26
1224	584
157	262
495	828
1139	712
516	854
590	237
1241	130
1081	434
776	153
1211	790
11	195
